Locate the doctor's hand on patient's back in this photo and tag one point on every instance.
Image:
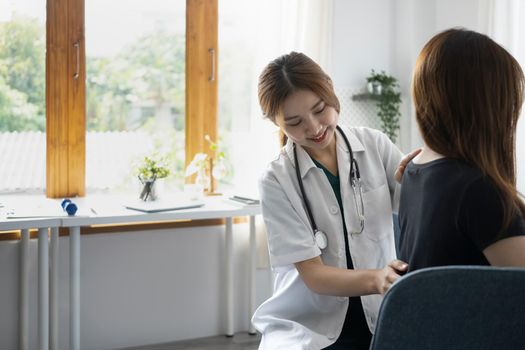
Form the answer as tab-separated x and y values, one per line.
403	163
389	274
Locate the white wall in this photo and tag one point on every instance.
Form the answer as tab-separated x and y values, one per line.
379	35
388	35
360	40
138	287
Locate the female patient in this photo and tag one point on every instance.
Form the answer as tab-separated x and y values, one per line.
459	203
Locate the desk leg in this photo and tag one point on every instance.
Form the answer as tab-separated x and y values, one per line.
229	277
53	290
252	272
23	333
43	288
74	288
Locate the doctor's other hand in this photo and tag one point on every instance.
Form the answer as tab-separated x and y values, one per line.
389	274
403	163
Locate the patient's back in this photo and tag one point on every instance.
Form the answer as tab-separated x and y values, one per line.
449	213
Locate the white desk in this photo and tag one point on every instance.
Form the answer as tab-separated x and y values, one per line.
109	210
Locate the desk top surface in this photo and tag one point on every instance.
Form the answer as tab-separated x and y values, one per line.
34	211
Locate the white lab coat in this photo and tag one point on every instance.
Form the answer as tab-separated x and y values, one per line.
295	317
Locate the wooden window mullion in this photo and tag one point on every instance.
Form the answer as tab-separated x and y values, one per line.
201	75
65	99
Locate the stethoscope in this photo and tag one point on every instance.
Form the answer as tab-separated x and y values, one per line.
355	178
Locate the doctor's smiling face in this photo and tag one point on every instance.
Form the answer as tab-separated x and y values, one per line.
308	120
298	96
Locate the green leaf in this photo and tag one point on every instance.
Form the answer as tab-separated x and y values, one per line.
388	103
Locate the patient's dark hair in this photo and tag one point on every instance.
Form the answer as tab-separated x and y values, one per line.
468	92
287	74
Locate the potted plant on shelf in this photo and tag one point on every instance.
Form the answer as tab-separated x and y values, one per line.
374	84
388	101
151	169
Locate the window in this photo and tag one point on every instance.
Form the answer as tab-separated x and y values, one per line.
132	93
135	89
22	95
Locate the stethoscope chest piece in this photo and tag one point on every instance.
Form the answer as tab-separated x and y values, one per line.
320	239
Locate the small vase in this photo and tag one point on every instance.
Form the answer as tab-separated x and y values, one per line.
203	179
219	170
149	190
374	87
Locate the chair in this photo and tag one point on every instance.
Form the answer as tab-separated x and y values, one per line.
454	307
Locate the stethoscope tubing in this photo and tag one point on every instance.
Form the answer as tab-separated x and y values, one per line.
355	177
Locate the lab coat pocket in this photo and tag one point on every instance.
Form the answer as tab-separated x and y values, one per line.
378	213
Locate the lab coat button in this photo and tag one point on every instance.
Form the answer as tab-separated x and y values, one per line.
342	299
330	335
334	210
341	253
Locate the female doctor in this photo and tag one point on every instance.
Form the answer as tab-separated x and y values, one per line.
327	203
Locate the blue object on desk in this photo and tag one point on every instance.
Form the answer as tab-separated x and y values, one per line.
69	207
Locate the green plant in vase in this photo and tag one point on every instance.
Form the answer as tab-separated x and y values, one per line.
150	170
388	101
208	167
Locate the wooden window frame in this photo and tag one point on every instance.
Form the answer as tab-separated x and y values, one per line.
66	90
65	99
201	75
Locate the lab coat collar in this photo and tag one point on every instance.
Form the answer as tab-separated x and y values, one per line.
357	146
305	161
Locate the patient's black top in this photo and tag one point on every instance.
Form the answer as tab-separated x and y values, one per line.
449	212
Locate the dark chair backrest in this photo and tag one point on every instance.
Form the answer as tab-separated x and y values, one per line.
454	307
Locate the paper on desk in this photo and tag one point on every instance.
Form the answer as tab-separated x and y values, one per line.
166	205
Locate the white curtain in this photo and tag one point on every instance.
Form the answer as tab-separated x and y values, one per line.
262	31
307	27
504	21
280	27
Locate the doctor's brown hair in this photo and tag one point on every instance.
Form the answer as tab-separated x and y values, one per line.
288	74
468	92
